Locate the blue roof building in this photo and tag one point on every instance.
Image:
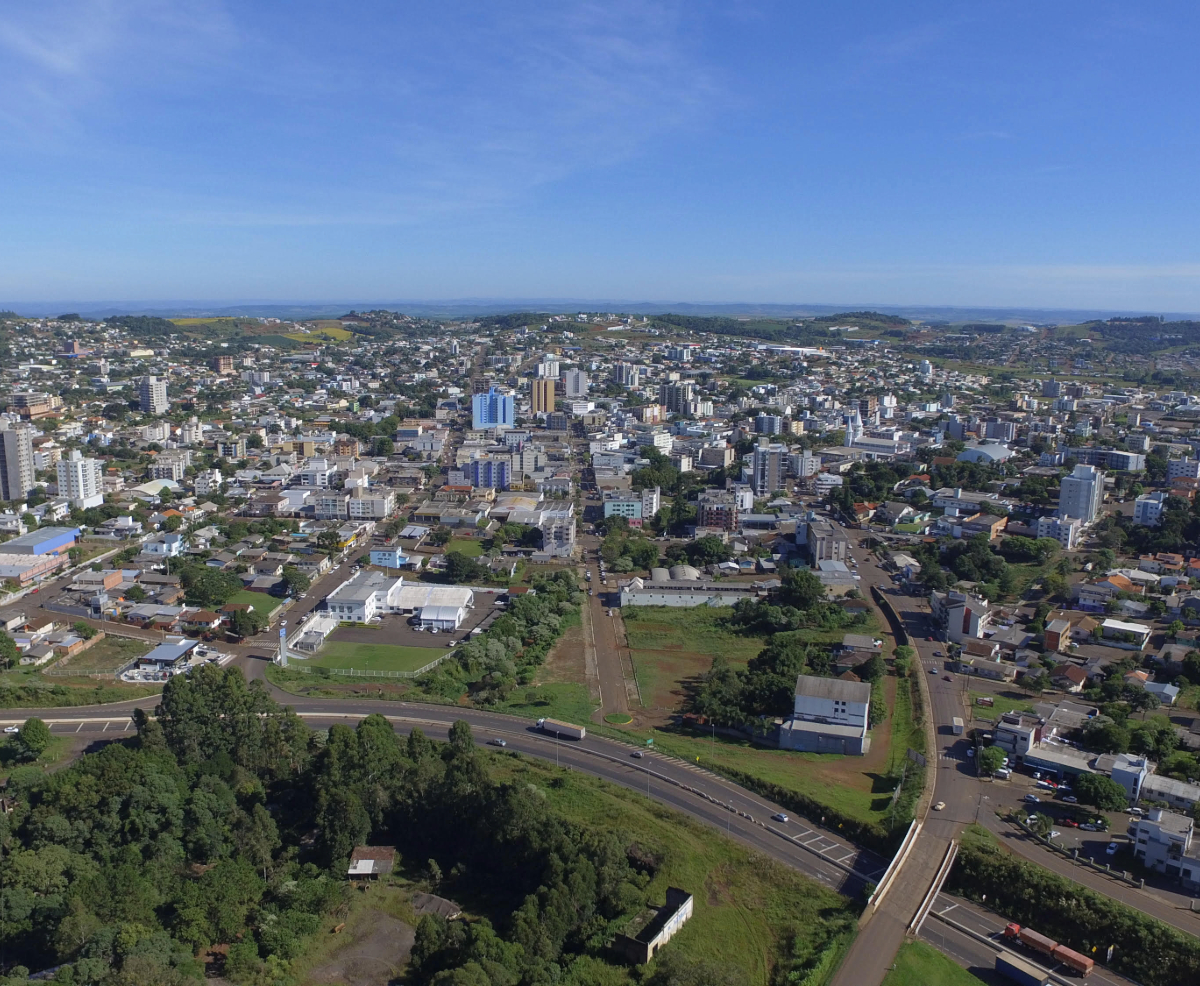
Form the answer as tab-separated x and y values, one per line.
493	410
43	541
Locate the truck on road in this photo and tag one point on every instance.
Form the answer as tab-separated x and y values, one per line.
1019	971
956	726
563	730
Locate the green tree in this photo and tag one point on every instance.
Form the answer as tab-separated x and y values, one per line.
82	630
247	623
33	738
873	669
9	655
296	581
990	759
1100	792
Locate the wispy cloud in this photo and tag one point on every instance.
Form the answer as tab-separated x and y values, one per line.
65	57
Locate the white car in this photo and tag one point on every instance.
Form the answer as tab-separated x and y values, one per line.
12	729
939	806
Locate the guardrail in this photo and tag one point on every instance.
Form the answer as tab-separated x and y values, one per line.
889	875
935	888
359	673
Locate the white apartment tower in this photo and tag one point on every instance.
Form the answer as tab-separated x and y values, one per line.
81	480
16	463
1081	494
576	383
153	395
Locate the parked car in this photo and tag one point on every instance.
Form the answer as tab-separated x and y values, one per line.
1071	799
1112	848
1089	827
1032	799
1069	823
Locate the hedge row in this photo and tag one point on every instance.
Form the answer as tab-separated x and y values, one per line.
1145	949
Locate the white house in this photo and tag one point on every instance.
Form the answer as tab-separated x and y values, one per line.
165	545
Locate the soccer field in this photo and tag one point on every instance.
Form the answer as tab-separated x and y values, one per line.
374	657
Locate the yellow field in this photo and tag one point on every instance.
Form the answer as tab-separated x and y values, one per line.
203	321
335	332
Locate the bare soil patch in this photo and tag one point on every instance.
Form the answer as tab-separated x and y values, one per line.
374	959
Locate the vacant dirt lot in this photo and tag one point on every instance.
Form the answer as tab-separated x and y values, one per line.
374	959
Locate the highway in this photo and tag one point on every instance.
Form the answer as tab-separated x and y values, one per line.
699	794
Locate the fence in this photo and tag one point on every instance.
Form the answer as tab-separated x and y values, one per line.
358	673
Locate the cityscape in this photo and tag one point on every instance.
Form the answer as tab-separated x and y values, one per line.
640	494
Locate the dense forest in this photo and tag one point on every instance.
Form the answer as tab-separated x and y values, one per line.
227	822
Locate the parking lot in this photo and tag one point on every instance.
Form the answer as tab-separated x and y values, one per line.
395	629
1068	817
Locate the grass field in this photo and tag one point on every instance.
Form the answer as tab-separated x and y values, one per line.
918	964
748	909
106	655
470	547
373	657
674	646
261	602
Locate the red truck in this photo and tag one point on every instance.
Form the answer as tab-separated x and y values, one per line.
1073	960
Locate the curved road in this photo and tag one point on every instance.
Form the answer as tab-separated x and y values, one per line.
699	794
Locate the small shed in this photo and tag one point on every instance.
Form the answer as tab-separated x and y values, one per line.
371	862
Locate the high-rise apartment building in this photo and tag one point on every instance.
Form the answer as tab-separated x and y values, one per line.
542	395
1081	494
153	395
576	383
16	463
768	468
675	397
492	410
81	480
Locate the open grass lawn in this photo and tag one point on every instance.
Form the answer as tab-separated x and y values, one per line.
1189	698
673	646
858	786
918	964
373	657
92	549
1027	573
748	909
261	602
565	700
105	655
471	547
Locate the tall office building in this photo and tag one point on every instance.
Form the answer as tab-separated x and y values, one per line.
768	424
81	480
548	367
1081	494
153	395
16	463
542	396
768	466
492	410
576	383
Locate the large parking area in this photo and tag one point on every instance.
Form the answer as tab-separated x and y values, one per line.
1068	817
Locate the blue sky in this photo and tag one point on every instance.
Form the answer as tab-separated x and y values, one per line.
743	150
